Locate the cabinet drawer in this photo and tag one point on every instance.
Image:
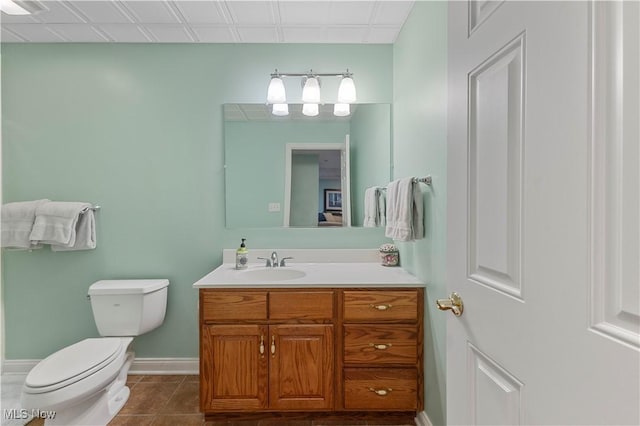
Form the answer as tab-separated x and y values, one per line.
380	389
316	305
233	305
380	344
373	306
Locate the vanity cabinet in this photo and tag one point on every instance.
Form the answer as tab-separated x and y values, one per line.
310	349
266	350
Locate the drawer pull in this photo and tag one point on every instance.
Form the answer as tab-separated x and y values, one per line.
262	344
380	346
273	345
382	307
381	392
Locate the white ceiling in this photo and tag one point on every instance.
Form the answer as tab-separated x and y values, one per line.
209	21
262	112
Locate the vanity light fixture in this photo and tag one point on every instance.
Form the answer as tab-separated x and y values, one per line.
341	110
280	109
311	92
310	110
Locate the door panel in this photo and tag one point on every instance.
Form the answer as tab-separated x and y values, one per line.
301	367
234	367
543	199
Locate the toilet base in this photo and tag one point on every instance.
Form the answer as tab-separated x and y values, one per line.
100	408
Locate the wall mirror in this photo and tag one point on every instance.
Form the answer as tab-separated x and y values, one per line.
299	171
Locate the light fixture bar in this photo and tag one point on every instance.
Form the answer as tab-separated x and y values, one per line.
311	73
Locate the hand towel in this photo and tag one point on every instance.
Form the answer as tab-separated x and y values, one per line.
374	207
85	233
17	222
405	211
56	223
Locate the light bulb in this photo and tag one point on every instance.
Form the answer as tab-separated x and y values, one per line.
311	91
341	110
276	93
346	91
310	110
280	109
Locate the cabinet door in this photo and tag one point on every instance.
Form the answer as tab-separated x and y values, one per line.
301	367
233	368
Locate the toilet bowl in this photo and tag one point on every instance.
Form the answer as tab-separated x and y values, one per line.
85	383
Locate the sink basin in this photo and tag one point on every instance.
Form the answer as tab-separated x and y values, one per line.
273	274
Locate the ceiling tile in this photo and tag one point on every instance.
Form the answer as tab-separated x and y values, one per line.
382	35
83	33
304	12
57	13
169	33
251	12
258	34
213	34
351	12
8	37
152	12
304	34
392	12
201	12
122	33
34	33
345	34
103	12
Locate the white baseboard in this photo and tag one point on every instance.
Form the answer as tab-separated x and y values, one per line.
139	366
423	420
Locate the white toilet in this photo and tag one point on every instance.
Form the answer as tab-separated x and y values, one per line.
85	383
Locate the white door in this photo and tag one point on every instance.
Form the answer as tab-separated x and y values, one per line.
543	213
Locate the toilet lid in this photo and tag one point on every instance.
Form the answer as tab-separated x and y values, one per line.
74	362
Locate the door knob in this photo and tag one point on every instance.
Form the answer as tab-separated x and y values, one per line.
453	304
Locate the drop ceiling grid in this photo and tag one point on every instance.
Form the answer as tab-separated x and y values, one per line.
212	21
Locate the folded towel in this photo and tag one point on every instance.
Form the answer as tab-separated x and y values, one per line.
374	207
404	211
17	222
56	223
85	233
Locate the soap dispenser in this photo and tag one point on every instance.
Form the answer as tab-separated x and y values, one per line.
242	256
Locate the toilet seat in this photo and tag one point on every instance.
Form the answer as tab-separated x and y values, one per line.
73	363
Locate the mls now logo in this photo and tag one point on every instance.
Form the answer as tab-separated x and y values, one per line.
23	414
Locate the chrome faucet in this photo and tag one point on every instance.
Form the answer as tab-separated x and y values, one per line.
274	259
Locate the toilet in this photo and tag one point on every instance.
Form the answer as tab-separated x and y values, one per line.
85	383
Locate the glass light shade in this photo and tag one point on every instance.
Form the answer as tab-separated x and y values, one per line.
341	110
11	8
310	110
276	93
311	91
280	109
346	91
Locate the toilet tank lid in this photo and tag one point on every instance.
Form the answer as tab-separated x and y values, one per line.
127	286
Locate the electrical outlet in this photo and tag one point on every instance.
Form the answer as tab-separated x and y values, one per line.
274	207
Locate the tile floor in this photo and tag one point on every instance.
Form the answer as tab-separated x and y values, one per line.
173	401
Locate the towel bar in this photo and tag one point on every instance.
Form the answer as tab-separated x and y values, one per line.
426	180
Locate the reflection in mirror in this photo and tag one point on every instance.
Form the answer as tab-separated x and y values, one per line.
278	168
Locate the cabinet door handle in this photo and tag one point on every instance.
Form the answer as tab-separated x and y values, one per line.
381	392
262	344
380	346
273	345
381	307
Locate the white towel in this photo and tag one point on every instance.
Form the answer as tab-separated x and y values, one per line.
85	233
404	211
56	223
17	222
374	207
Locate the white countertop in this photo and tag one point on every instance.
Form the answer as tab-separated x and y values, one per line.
321	274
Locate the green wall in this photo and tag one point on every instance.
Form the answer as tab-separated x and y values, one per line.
370	153
138	129
419	135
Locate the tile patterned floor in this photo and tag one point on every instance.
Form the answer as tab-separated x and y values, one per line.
173	401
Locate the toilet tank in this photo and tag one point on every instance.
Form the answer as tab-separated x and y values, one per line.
128	307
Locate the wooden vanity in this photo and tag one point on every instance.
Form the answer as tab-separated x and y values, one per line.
344	352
